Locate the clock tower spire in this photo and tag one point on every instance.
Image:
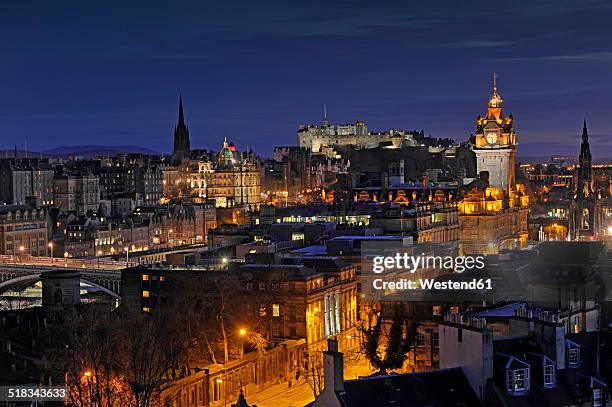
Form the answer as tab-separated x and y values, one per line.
495	145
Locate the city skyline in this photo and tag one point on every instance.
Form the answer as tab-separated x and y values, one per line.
118	81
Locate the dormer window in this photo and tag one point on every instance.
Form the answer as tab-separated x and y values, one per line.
549	375
597	397
573	353
517	380
573	356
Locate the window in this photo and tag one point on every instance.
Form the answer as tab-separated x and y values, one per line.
145	277
573	356
275	310
520	377
145	294
162	278
436	310
459	335
146	309
420	339
435	339
549	375
249	286
597	398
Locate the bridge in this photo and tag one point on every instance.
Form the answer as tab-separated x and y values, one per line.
105	280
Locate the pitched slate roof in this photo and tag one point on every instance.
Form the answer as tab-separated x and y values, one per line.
441	388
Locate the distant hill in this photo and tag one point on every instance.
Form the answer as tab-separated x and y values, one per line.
85	151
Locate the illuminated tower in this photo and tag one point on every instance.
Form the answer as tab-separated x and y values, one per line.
181	135
586	215
495	145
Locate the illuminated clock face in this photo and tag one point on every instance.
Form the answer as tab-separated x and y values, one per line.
491	138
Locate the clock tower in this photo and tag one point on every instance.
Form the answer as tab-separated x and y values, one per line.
495	143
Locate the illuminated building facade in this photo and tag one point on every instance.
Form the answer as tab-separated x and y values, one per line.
235	180
585	215
317	137
23	230
495	144
493	211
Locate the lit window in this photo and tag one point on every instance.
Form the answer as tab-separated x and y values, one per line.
145	294
436	310
162	278
146	309
275	310
420	339
145	277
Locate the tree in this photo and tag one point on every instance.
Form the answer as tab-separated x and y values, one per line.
120	359
150	347
386	346
313	372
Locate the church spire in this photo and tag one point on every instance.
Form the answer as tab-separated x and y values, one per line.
181	118
181	135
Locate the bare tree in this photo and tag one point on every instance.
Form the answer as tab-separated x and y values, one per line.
313	372
150	349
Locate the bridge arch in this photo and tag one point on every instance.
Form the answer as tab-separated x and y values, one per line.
4	285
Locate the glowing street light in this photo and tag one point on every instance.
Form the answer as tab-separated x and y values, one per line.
51	247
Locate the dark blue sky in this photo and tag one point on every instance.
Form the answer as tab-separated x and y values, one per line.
110	72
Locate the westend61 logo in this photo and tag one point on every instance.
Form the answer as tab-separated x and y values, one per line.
404	261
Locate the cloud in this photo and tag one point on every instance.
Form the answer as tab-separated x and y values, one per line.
591	56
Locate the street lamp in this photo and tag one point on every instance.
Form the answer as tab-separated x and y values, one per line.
21	249
51	247
65	259
127	254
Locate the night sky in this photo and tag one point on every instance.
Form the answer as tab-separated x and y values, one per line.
110	73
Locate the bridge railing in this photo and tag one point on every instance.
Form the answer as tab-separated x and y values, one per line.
63	262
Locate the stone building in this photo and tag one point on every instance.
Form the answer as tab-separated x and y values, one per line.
491	220
182	146
23	230
21	179
235	180
495	144
493	209
316	138
76	192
